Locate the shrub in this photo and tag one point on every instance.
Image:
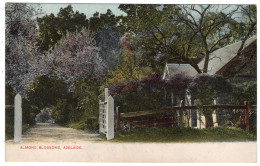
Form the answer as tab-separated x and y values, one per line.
85	112
145	94
60	112
45	91
205	88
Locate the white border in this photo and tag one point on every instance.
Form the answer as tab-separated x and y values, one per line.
2	60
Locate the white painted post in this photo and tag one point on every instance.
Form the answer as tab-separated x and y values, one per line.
18	118
110	118
198	119
214	115
188	102
203	121
106	94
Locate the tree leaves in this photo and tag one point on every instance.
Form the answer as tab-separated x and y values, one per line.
53	28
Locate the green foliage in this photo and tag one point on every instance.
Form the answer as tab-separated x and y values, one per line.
28	113
145	94
60	112
86	111
9	113
45	91
238	96
248	93
186	33
141	100
128	69
9	95
80	108
52	28
98	21
206	88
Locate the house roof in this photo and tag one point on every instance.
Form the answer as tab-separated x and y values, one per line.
173	69
217	60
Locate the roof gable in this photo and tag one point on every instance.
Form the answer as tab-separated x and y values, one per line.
173	69
217	60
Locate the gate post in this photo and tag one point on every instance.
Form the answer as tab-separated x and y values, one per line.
117	119
106	94
110	123
18	118
247	109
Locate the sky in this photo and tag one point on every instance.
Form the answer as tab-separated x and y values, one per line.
88	8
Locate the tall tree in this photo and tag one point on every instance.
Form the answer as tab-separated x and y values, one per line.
98	21
184	33
52	28
107	40
20	45
128	69
75	56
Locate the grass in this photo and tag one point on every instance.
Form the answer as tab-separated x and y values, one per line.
9	131
219	134
77	125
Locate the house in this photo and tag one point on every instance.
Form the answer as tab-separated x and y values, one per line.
238	70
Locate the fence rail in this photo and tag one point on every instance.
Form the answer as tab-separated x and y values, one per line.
135	118
9	106
149	112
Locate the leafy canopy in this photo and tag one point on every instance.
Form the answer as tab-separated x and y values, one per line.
187	33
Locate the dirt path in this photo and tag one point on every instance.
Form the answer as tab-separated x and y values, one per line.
53	138
53	133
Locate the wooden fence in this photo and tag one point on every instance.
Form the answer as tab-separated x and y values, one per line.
140	119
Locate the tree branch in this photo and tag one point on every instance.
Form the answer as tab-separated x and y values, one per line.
225	37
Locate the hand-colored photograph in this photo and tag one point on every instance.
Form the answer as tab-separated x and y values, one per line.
146	83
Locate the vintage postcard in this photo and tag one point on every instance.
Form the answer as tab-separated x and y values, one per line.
132	83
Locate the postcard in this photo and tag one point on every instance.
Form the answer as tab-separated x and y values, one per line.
130	83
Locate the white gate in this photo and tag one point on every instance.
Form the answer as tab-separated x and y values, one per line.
106	116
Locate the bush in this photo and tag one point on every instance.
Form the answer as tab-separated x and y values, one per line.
205	88
60	112
239	95
146	94
82	106
46	91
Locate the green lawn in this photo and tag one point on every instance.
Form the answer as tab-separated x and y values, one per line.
219	134
9	133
